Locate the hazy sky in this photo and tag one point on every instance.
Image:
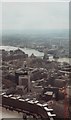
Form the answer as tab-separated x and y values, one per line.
35	15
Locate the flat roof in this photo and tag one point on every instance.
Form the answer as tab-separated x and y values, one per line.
48	93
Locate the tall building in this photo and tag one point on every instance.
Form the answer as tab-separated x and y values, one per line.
22	76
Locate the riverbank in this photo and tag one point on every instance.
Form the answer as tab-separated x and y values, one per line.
35	52
26	50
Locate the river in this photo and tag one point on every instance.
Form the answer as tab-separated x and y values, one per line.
26	50
35	52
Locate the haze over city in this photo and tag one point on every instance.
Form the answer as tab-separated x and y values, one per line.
35	16
35	66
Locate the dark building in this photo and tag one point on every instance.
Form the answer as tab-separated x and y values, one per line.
55	91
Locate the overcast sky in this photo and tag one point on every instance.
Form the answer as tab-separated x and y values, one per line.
35	16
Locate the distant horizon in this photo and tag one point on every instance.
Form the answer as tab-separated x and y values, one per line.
33	31
35	16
